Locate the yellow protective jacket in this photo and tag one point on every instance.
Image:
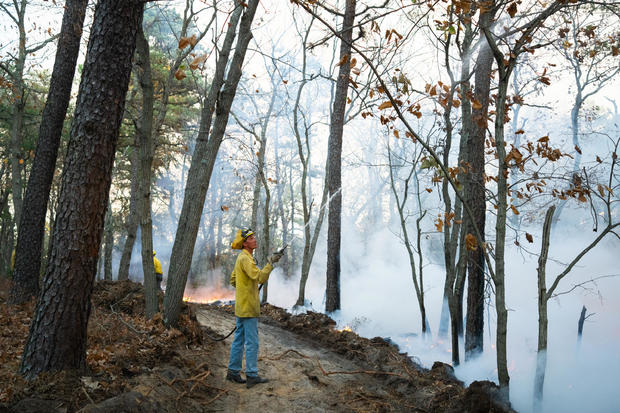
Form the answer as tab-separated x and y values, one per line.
157	266
245	278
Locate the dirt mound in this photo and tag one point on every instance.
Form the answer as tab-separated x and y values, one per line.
125	352
436	390
139	365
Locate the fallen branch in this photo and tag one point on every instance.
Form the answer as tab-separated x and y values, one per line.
129	326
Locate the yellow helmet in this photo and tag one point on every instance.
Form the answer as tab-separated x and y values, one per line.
240	238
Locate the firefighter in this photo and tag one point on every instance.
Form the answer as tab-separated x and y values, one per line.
159	274
245	278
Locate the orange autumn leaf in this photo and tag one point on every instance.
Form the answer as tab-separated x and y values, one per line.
343	60
180	74
439	224
198	60
470	242
385	105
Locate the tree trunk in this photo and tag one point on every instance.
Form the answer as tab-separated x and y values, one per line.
57	339
541	355
500	243
334	154
109	245
266	241
280	201
475	197
219	100
582	319
310	239
17	116
133	219
144	132
32	225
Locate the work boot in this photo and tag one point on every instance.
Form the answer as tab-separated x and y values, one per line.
253	380
234	377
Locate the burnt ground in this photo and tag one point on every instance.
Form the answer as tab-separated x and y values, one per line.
140	366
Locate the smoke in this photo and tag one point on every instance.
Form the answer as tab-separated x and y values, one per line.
378	299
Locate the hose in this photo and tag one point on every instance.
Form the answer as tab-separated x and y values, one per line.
232	331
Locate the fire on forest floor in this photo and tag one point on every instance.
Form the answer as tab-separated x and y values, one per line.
138	365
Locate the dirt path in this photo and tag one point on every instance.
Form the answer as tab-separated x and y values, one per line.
297	372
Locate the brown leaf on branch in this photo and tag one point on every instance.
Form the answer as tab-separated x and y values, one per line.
186	41
514	210
512	9
343	60
439	224
198	60
180	74
578	149
183	42
385	105
470	242
529	237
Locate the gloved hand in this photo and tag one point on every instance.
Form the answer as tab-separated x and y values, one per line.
275	257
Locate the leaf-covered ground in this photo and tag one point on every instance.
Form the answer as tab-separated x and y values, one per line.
138	365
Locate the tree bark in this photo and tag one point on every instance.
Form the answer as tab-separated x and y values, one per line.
475	197
334	154
109	245
582	319
32	224
219	100
144	132
57	339
133	219
543	320
18	112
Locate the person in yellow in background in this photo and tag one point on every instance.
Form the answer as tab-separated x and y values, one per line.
159	274
245	278
13	260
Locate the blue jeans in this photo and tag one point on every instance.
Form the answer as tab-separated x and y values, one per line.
246	334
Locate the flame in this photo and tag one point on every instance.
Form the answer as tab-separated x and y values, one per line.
346	328
207	295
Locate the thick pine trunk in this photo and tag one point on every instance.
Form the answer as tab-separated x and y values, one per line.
32	225
334	155
219	100
57	339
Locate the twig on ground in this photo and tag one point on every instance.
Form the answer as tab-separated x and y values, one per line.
217	396
129	326
284	354
88	395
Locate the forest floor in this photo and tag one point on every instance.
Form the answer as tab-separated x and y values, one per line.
139	366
